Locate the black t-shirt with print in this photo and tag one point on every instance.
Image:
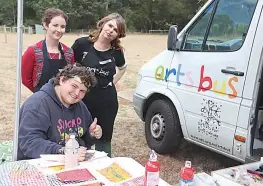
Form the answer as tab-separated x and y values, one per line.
102	63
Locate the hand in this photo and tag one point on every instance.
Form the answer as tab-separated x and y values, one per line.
98	132
82	153
95	130
117	86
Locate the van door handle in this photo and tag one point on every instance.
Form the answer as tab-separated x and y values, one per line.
234	72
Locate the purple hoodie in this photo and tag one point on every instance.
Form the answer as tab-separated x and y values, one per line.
45	124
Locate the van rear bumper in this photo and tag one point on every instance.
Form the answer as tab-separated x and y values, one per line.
138	102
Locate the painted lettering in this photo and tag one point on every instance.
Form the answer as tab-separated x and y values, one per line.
179	73
203	80
188	76
234	94
159	73
169	72
222	90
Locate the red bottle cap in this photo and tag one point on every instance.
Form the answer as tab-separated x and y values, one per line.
153	156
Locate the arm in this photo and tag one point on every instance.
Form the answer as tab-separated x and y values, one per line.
87	138
93	131
28	61
72	59
120	65
77	51
32	136
118	75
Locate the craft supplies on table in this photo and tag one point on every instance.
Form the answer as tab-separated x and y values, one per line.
21	173
115	173
248	174
101	171
80	175
138	181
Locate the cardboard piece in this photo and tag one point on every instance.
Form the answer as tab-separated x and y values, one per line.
75	175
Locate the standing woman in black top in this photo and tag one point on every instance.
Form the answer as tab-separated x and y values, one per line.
102	54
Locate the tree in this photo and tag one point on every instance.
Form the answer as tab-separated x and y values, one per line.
139	15
8	12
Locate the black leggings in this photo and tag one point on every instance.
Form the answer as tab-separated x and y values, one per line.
103	105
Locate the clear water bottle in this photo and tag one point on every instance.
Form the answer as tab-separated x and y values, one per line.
71	152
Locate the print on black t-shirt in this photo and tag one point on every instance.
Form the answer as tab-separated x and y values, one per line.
102	63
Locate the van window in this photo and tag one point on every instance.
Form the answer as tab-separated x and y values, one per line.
228	29
196	34
230	25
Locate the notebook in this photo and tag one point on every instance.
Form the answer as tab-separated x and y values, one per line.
75	175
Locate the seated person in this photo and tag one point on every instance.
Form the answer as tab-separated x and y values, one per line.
49	116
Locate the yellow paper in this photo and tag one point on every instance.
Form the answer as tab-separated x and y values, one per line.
115	173
57	168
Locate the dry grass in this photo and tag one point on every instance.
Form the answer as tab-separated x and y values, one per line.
128	139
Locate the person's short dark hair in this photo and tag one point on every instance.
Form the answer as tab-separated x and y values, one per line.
70	71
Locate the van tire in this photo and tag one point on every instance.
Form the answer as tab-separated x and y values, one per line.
162	127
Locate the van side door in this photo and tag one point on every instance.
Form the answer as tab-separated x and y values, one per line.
208	72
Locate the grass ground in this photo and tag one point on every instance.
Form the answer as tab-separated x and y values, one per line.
128	138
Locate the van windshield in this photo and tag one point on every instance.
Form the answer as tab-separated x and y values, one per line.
227	30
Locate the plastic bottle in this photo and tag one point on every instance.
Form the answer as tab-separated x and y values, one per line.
71	152
186	174
93	147
152	171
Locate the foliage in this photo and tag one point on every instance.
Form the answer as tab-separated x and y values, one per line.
139	15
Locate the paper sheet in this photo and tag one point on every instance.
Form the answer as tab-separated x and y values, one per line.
115	173
75	175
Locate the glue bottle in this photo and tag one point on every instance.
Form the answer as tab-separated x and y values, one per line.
152	171
186	174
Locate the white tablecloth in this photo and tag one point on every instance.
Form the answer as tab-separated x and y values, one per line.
129	164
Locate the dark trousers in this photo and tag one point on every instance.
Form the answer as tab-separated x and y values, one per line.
103	146
103	104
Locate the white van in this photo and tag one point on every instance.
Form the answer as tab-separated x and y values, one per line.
206	86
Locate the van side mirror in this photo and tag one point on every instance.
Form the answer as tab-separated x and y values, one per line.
172	37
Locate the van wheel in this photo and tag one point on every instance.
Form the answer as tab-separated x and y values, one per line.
162	127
